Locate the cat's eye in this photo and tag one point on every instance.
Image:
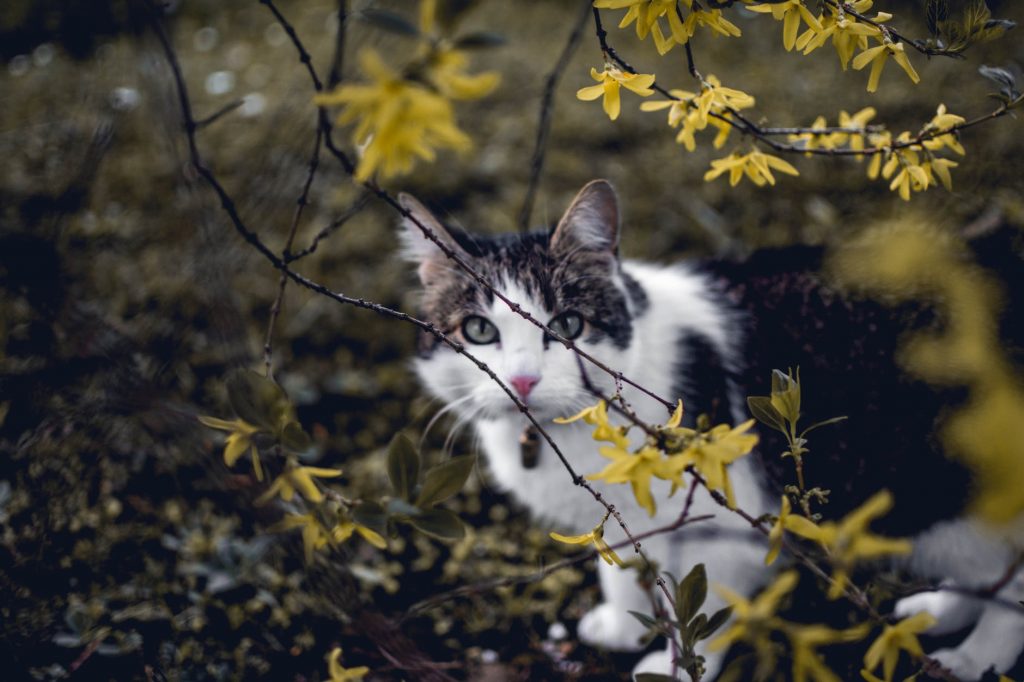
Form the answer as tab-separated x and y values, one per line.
568	325
479	330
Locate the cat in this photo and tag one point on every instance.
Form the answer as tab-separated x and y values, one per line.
709	333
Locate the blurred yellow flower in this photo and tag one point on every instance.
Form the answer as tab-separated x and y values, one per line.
753	621
446	72
609	82
895	638
339	674
787	521
804	639
343	531
878	55
398	121
299	479
944	121
314	535
711	452
595	537
849	541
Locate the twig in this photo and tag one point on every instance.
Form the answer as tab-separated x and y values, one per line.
223	111
275	309
329	229
334	76
253	239
546	108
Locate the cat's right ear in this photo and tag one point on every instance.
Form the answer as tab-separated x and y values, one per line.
591	222
420	249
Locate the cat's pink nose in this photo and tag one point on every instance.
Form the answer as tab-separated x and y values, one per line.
523	384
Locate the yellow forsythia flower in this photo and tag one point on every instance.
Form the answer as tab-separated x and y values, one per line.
299	479
239	440
597	415
754	621
804	639
637	469
710	453
343	531
944	120
609	82
314	535
339	674
878	55
789	12
446	72
595	537
398	121
756	165
849	541
787	521
895	638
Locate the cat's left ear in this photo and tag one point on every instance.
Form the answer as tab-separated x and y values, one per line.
418	248
591	223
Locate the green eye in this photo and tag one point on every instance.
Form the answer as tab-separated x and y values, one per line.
568	325
479	330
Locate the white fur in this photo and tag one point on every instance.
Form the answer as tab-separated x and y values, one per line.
677	302
964	551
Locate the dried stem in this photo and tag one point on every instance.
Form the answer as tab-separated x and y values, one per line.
547	107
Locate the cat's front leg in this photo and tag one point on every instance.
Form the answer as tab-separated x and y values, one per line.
609	625
996	641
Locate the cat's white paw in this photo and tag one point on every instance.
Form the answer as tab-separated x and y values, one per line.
610	627
961	663
952	611
659	662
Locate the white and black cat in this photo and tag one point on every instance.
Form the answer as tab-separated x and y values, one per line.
709	333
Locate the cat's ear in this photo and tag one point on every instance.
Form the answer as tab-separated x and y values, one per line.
418	248
591	223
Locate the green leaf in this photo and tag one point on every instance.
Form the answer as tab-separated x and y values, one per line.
833	420
645	620
693	630
257	399
716	621
653	677
444	480
480	39
763	410
403	466
389	21
691	593
372	515
439	523
293	438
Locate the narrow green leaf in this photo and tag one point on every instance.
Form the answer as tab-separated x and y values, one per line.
691	593
833	420
403	466
480	39
439	523
653	677
763	410
936	11
444	480
696	626
645	620
389	21
372	515
716	621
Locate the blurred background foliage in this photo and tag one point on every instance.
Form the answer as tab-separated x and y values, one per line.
127	549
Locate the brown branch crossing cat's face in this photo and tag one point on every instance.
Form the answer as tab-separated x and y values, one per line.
569	279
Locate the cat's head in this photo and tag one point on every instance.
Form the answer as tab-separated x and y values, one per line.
568	278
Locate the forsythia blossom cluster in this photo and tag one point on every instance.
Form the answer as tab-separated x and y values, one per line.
709	452
404	117
647	16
